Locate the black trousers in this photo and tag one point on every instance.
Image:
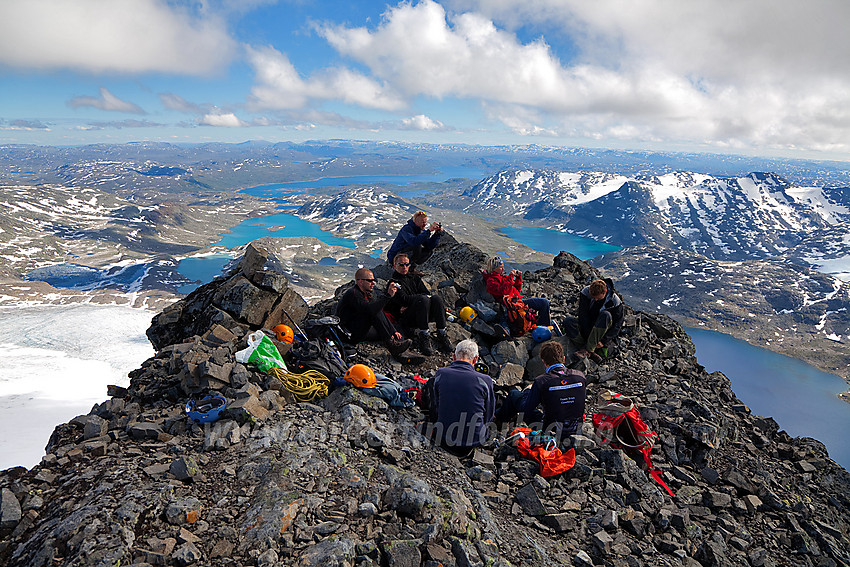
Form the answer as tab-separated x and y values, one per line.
425	309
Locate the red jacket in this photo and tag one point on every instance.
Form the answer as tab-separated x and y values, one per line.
500	285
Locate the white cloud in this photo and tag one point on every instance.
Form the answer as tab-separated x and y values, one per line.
279	86
176	102
766	73
221	119
106	101
109	36
421	122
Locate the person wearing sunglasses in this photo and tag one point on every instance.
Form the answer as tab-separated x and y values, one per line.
415	307
362	314
417	241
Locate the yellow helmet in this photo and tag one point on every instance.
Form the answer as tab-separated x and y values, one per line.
361	376
467	314
284	333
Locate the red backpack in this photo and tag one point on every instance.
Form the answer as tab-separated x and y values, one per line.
618	424
520	319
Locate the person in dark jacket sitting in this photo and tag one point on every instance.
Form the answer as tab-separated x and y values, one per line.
460	402
561	391
362	314
416	240
600	318
413	305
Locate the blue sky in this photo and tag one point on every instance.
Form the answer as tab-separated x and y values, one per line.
758	77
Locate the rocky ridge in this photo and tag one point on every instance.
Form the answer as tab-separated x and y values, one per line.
348	480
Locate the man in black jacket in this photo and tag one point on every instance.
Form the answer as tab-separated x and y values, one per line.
600	317
413	305
363	314
561	391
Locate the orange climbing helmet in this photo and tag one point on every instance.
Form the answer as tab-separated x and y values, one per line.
284	333
361	376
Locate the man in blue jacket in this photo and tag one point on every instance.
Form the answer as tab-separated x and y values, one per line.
561	391
419	242
460	402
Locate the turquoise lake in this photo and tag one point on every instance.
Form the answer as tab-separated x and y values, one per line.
801	398
553	241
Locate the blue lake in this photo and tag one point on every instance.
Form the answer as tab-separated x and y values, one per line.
275	189
279	225
553	241
801	398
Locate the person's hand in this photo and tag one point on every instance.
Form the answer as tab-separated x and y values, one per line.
403	309
435	227
599	345
398	336
392	288
515	273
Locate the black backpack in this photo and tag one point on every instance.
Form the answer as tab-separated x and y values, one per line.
315	354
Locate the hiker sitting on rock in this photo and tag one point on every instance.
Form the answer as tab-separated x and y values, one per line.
561	391
600	318
363	314
416	240
499	284
460	402
413	305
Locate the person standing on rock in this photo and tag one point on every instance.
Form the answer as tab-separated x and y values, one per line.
460	402
363	315
416	240
561	391
499	284
600	318
415	307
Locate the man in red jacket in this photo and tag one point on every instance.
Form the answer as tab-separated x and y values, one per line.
500	284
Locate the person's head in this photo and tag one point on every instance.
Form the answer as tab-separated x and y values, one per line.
467	350
495	265
364	280
551	352
598	289
420	219
401	263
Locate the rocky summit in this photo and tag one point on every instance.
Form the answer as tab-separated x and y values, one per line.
349	480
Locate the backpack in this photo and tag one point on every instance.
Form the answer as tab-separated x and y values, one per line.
315	354
520	319
618	423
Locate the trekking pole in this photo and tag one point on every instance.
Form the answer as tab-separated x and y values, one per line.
291	320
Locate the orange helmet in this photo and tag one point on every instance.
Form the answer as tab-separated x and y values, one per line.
361	376
284	333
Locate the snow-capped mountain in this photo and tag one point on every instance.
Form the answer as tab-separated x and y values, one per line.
759	215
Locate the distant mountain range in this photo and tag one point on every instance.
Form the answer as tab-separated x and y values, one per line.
757	216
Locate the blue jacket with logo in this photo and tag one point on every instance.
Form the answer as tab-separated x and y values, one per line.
562	393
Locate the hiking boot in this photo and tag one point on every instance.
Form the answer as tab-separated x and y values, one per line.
444	345
594	357
582	353
423	343
397	346
409	357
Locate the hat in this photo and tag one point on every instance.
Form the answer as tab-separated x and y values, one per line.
494	263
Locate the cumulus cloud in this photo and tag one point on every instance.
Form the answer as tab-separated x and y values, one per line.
108	36
421	122
757	73
280	86
106	101
227	119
